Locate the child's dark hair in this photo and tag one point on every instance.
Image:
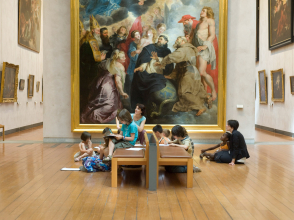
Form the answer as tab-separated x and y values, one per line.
157	128
142	107
179	131
85	135
125	115
106	131
166	132
228	135
233	124
119	130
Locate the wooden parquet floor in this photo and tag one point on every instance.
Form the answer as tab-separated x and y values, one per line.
33	187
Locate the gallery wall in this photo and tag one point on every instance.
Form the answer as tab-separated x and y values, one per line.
274	115
27	112
57	70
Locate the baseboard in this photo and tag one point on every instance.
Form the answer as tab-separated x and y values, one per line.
21	128
287	133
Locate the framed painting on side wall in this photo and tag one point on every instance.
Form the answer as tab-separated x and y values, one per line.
280	23
29	24
9	82
31	81
278	90
124	52
262	79
21	84
292	85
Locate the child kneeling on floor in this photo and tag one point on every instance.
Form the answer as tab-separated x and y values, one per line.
85	146
224	146
184	141
127	137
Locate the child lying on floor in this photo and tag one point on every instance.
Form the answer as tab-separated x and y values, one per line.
94	164
222	146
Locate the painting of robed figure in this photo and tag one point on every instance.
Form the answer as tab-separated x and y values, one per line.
162	54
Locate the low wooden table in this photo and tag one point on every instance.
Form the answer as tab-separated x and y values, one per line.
3	133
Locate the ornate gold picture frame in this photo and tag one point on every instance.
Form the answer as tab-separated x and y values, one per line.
9	82
262	79
218	127
278	89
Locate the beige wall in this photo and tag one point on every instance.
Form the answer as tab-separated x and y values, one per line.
240	69
279	115
13	115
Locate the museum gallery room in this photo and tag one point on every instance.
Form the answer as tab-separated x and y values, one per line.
146	109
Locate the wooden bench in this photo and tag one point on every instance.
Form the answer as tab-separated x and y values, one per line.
3	133
174	156
129	157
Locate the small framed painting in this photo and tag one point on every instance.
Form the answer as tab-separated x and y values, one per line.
292	85
37	86
9	82
278	92
31	80
262	87
21	84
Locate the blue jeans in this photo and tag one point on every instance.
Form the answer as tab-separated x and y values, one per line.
176	169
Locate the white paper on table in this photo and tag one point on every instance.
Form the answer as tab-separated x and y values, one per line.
135	149
70	169
138	145
163	144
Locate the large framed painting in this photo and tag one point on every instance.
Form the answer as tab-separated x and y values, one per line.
9	82
31	81
169	55
29	24
278	89
280	23
262	87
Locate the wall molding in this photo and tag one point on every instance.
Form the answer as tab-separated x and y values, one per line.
287	133
21	128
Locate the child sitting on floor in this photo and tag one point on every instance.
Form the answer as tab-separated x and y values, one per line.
85	146
184	141
158	131
222	146
126	139
166	133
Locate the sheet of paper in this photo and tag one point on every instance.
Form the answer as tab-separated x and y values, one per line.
135	149
138	145
163	144
70	169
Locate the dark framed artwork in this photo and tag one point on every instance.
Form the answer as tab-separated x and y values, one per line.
9	82
37	86
29	24
257	32
280	23
31	81
292	85
161	92
262	79
278	89
21	84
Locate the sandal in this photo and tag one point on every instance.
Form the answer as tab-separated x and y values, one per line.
77	159
196	169
107	159
201	156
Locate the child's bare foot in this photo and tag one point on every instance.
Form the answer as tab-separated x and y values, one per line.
77	159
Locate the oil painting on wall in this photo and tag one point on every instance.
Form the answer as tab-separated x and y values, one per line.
29	27
280	23
278	91
9	82
262	87
164	54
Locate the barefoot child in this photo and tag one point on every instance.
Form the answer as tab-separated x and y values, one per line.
85	146
158	131
222	146
184	141
126	139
